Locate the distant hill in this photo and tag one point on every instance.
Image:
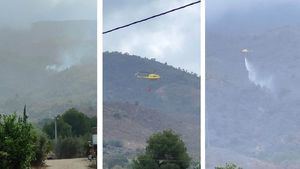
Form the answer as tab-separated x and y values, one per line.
50	66
252	100
135	108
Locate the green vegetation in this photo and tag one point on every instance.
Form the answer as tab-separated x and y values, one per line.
17	142
23	146
74	132
71	124
229	166
79	122
42	148
165	150
195	165
71	147
63	129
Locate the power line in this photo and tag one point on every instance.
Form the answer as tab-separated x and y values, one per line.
151	17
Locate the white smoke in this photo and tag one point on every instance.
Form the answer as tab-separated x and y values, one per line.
77	55
257	78
65	62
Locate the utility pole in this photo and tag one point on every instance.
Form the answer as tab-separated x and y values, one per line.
55	128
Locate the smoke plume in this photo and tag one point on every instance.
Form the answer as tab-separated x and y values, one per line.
65	62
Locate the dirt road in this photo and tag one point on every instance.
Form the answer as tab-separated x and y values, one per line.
77	163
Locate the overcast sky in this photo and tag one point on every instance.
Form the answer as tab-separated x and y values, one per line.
251	15
218	8
20	13
172	38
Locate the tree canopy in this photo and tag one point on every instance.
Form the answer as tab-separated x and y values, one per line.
165	150
79	122
63	128
71	123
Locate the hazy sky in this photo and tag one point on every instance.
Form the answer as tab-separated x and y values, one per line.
172	38
20	13
218	8
251	15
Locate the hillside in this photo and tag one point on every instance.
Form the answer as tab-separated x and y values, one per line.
50	67
252	100
176	92
132	112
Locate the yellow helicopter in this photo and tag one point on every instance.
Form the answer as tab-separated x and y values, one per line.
149	76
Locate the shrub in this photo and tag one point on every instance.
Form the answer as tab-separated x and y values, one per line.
42	148
17	142
70	147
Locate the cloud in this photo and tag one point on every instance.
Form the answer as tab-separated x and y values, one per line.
173	38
